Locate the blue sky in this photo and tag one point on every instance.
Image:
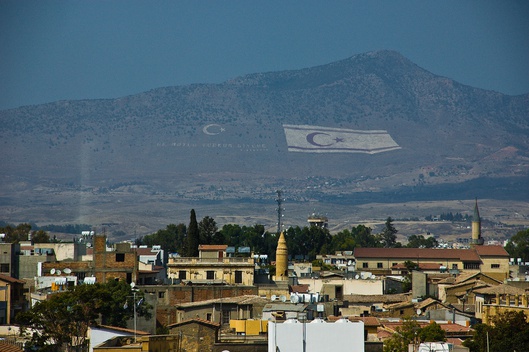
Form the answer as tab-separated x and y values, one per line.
58	50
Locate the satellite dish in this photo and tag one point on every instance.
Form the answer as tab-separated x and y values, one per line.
283	298
132	285
419	311
52	271
273	298
294	298
357	276
67	271
58	272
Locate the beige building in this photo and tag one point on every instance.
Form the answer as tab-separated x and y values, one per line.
499	299
492	260
212	267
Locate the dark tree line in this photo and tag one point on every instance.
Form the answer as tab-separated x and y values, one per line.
303	242
23	232
457	217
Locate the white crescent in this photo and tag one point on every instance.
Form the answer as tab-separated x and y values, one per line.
209	133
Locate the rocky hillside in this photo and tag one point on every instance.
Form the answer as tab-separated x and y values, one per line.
374	127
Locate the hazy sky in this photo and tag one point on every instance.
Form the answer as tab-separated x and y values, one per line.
57	50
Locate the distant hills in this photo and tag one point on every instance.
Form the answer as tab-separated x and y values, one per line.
374	126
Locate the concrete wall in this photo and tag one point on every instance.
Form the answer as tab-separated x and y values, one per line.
170	296
349	287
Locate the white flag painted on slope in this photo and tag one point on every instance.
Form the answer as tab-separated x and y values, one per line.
317	139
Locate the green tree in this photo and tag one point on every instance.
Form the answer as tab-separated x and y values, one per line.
432	333
172	239
61	322
16	234
518	245
40	236
193	236
388	236
363	237
207	228
508	332
411	333
418	241
404	335
410	267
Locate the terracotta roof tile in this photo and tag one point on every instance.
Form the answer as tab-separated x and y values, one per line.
8	347
492	251
501	289
10	279
212	247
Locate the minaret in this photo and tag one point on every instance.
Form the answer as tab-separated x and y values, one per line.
281	259
476	227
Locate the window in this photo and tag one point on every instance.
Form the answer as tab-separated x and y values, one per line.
365	265
238	277
210	275
394	264
208	316
161	294
120	257
225	316
182	274
4	268
454	266
379	265
495	266
471	266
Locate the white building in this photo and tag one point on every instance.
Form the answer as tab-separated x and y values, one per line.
316	336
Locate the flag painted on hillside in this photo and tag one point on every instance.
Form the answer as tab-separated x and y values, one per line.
317	139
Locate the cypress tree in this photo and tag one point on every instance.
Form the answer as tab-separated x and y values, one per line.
193	236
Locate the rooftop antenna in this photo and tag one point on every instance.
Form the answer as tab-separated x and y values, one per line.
279	209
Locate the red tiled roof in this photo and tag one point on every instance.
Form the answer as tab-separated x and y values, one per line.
468	255
498	251
212	247
10	279
145	251
8	347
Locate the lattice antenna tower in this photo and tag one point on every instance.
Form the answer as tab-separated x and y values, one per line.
279	210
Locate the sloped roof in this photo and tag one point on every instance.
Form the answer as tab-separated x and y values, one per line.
466	255
146	251
240	300
196	321
212	247
8	347
495	251
501	289
429	301
118	329
10	279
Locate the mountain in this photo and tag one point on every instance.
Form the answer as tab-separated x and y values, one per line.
378	128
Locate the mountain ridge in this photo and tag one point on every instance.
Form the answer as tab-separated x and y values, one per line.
227	141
